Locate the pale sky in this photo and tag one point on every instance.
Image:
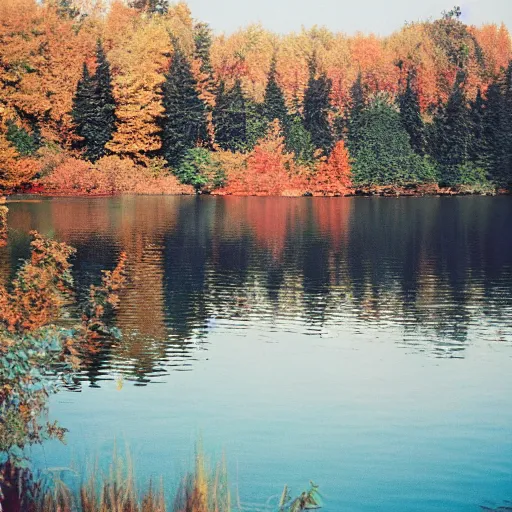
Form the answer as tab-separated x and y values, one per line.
378	16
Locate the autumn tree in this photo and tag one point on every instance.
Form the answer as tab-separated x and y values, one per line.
184	119
140	56
94	108
230	117
316	109
14	172
333	176
8	156
269	165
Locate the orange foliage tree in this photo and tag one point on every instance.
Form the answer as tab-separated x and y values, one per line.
269	169
42	55
140	51
333	176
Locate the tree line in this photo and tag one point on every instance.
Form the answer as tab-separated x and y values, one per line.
379	134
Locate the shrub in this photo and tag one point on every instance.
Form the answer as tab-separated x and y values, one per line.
268	169
50	156
333	176
74	176
26	144
112	175
200	170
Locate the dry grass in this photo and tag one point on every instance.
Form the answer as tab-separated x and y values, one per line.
200	490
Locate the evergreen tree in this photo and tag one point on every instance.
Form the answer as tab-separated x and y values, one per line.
203	42
184	122
230	117
357	106
494	136
384	155
452	134
105	99
298	141
256	124
316	110
410	114
83	112
274	105
66	9
26	143
506	175
151	6
94	108
477	146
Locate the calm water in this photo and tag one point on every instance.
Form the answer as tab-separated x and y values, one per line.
362	343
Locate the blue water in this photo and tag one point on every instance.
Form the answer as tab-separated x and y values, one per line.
364	344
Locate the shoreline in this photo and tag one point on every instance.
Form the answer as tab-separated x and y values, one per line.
378	191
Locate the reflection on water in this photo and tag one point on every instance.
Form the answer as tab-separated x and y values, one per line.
363	343
439	268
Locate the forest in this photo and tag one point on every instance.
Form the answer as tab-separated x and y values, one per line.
141	97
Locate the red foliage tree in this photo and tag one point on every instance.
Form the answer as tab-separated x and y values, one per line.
333	176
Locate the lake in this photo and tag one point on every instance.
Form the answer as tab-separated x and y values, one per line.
362	343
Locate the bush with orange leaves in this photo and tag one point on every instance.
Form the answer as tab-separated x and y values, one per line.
26	307
111	175
333	176
32	343
14	171
269	170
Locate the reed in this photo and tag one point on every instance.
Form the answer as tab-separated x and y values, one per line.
200	490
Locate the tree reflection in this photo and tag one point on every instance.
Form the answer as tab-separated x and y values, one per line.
436	268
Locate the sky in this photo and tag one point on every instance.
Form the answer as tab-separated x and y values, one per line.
378	16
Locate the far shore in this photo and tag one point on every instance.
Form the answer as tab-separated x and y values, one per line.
376	191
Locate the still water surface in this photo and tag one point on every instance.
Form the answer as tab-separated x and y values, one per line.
365	344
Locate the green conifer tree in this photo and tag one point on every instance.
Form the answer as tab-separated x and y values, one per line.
506	174
384	155
183	122
316	109
230	117
452	134
410	114
203	42
94	108
477	146
357	106
274	105
150	6
298	141
494	136
106	104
